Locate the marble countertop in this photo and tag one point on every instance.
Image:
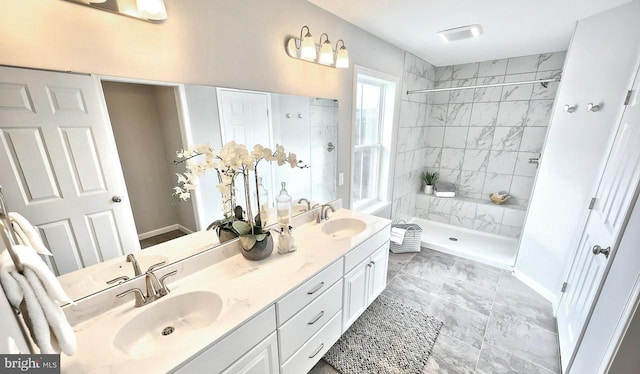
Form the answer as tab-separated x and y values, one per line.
245	287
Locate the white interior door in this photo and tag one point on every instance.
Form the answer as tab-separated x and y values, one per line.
244	118
60	168
606	221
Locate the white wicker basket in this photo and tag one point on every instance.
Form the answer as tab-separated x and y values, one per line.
411	242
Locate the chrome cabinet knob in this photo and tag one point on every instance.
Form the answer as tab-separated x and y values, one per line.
591	107
116	199
599	250
570	108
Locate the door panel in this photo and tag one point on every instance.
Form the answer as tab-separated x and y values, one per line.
60	168
616	191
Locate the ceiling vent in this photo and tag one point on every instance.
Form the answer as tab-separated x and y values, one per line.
460	33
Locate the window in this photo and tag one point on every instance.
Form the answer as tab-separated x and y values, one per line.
373	115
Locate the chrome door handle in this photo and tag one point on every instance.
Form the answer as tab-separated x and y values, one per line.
599	250
570	108
591	107
116	199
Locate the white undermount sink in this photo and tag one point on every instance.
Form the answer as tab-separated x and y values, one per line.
168	323
343	227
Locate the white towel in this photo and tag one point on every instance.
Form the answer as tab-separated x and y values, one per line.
397	235
27	234
40	290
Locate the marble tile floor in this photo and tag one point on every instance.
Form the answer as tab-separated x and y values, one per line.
493	323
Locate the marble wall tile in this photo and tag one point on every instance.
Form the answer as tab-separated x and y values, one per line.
523	167
438	115
480	137
471	183
521	187
449	176
539	113
484	114
403	138
410	63
513	217
496	182
465	71
489	213
502	162
452	158
540	92
419	157
512	113
551	61
462	96
455	137
423	201
475	160
435	137
444	73
494	67
461	221
533	139
509	138
441	97
488	94
432	159
459	114
440	205
523	64
439	217
466	209
488	227
518	92
404	161
315	115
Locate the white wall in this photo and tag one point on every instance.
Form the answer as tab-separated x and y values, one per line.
598	69
214	42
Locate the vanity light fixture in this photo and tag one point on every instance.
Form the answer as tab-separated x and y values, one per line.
154	10
305	48
460	33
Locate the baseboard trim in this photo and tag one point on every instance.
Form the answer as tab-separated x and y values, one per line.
163	230
542	291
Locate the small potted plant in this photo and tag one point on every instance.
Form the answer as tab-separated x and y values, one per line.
429	178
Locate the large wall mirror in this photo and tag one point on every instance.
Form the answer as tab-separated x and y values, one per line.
90	162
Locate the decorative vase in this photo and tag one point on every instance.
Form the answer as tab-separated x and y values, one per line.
428	189
255	250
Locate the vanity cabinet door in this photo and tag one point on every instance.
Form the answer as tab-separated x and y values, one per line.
378	272
356	290
262	359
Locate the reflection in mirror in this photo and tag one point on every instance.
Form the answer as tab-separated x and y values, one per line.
84	192
145	10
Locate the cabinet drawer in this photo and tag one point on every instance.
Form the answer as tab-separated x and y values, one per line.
310	319
308	291
313	350
365	249
220	355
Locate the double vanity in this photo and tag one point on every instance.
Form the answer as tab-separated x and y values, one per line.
221	313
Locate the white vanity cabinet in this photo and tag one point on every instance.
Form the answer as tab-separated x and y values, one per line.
365	276
251	348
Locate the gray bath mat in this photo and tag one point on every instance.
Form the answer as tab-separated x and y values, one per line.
389	337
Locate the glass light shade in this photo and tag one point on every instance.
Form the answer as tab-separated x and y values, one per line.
308	48
342	58
326	54
292	49
152	9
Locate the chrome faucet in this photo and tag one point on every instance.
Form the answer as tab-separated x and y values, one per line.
307	202
155	288
324	212
136	266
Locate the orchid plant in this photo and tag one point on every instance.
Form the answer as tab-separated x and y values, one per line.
233	159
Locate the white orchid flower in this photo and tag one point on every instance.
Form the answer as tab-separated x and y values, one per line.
292	159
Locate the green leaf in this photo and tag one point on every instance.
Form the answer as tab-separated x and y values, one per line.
241	227
260	237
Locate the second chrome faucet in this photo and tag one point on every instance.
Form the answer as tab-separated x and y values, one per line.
156	288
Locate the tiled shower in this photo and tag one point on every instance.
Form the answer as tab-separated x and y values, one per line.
479	139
